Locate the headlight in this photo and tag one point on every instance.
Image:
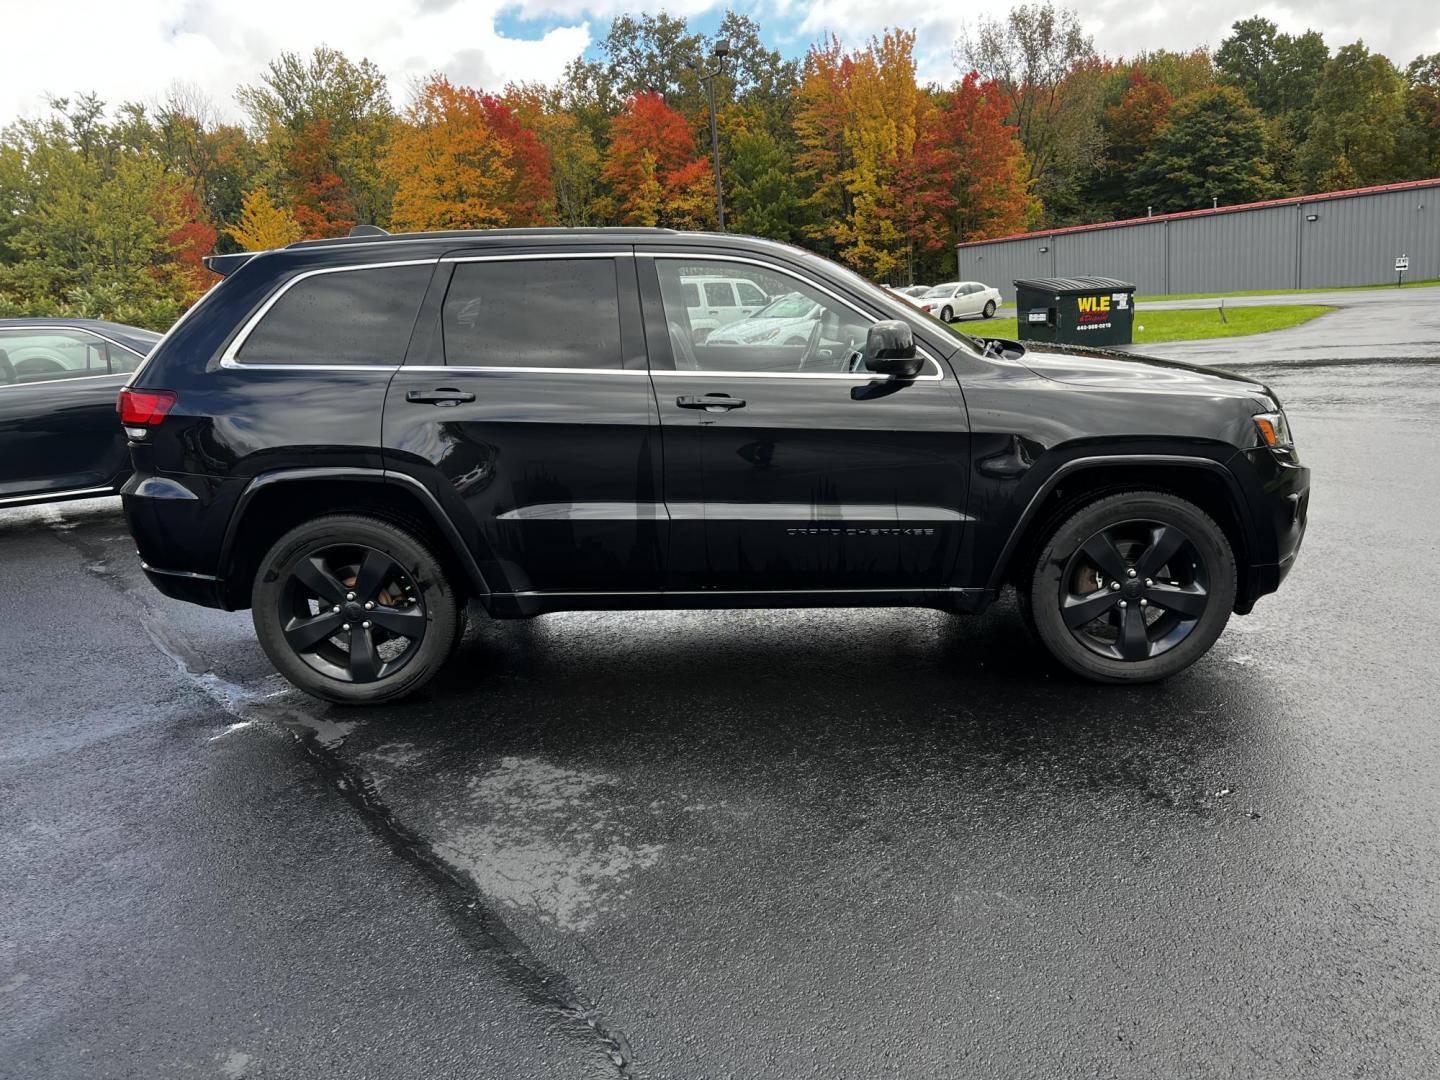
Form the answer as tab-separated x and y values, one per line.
1274	430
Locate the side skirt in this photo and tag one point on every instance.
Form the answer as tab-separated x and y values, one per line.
523	605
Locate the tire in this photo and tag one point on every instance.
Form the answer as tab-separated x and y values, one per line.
947	314
320	575
989	311
1161	598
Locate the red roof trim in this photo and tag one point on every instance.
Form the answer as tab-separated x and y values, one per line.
1294	200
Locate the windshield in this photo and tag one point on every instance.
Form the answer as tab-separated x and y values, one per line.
941	290
790	306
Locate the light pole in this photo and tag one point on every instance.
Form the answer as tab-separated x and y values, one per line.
722	50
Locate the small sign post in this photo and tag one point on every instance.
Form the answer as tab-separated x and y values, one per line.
1401	265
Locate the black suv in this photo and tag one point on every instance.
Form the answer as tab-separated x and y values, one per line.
355	437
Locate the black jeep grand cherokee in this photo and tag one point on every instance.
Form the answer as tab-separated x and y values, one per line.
355	437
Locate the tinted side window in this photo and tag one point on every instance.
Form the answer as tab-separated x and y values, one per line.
691	292
802	330
718	294
359	316
543	313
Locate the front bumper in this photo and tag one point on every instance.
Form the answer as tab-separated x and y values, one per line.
1279	495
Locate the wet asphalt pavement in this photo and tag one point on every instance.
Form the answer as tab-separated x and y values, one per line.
742	844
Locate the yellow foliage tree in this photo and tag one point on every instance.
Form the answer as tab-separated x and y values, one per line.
450	168
262	225
857	115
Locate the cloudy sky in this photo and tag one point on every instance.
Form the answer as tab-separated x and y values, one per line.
135	49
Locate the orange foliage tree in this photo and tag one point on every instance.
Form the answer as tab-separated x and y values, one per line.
190	243
966	177
655	174
463	161
319	200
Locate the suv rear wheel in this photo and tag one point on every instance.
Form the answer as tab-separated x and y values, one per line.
354	610
1132	588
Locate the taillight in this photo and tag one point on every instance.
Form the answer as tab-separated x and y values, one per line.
142	409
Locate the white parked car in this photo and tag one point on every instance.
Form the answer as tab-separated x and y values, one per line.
909	293
712	302
960	300
786	320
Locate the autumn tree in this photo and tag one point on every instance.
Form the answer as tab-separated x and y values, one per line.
1211	147
857	116
88	214
1422	91
352	99
463	160
965	179
1046	66
654	171
885	107
1358	133
822	116
1129	127
263	226
319	198
574	161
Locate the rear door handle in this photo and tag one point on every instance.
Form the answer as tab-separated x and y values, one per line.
711	403
443	395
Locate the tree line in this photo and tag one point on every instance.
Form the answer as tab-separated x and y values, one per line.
109	213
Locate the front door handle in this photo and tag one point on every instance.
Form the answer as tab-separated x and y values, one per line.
711	402
443	395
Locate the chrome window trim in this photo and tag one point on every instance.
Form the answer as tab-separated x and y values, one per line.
41	496
533	255
938	374
75	378
480	369
228	359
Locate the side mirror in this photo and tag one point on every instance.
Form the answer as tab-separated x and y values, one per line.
890	349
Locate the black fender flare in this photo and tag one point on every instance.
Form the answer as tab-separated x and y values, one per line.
357	474
1080	464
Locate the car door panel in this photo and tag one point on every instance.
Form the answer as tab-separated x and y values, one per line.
820	480
555	467
59	434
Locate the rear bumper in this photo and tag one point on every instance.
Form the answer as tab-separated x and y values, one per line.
202	589
173	521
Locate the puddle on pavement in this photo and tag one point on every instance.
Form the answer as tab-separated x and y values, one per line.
516	831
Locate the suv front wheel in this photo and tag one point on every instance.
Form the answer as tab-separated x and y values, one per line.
1132	588
354	610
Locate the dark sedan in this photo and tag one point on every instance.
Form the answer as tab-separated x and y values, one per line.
59	435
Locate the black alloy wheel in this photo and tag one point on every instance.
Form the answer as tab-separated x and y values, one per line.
354	609
1132	588
352	613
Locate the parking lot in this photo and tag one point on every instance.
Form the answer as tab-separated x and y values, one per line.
749	844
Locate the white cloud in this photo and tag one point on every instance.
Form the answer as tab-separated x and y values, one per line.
134	49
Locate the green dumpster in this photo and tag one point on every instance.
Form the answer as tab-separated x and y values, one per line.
1075	310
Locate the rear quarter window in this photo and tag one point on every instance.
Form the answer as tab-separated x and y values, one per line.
352	316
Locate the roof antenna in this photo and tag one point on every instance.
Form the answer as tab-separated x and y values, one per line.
367	230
